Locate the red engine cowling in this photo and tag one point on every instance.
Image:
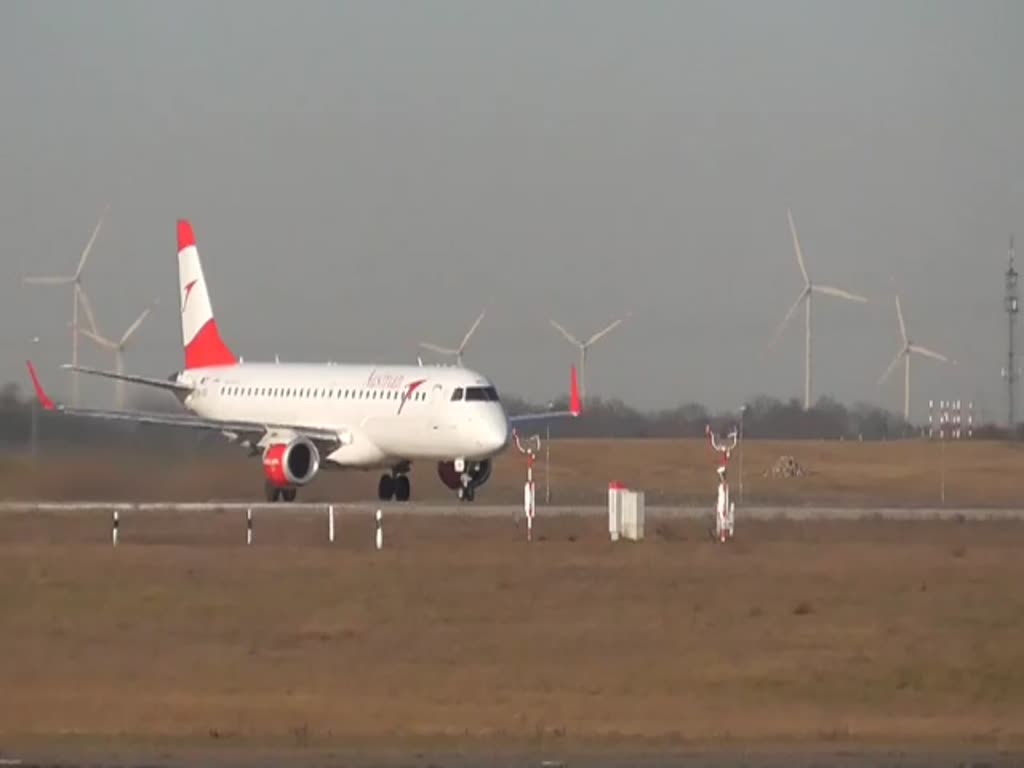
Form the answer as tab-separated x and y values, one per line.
478	471
290	464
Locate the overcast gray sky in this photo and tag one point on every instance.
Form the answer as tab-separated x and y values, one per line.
363	175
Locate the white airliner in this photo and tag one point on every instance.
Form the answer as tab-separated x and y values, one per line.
303	417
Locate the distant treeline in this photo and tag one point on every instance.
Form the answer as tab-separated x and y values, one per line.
764	418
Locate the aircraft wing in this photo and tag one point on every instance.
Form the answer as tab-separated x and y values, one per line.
575	407
540	416
168	384
251	430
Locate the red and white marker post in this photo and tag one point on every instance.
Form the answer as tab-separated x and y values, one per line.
530	450
725	508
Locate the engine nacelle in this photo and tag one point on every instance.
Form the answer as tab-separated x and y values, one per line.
291	464
478	472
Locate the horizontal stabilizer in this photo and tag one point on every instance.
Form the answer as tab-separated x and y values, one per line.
168	384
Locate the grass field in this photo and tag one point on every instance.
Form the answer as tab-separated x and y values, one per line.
459	632
899	473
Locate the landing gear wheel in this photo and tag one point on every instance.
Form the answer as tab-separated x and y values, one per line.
466	494
402	488
386	488
272	492
288	494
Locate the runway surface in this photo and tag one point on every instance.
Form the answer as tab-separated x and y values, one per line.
809	512
355	759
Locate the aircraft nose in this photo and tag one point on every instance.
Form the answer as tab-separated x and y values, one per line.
494	432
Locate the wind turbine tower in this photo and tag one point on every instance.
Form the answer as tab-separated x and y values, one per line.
583	346
118	347
1011	373
809	290
78	298
457	351
906	349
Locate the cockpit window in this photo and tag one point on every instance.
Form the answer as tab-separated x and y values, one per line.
486	394
457	394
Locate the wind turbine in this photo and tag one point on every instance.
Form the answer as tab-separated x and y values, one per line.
905	351
457	352
118	347
806	293
78	298
583	346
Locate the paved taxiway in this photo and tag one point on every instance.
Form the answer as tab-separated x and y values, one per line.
850	758
809	512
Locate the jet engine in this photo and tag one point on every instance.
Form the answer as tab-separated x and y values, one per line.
477	473
291	464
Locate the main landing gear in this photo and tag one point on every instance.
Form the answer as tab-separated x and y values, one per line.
394	486
275	493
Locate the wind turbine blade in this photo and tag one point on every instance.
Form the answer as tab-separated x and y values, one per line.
572	339
48	280
839	293
438	349
782	326
928	353
903	325
134	326
892	366
796	247
103	342
88	246
86	307
471	331
605	331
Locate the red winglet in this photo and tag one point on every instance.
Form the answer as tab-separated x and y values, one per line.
185	236
44	400
575	407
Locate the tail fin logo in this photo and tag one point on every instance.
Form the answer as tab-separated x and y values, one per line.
188	292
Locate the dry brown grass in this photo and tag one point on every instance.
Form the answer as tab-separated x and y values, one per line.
671	471
459	631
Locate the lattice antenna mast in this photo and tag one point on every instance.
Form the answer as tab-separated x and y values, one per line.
1012	306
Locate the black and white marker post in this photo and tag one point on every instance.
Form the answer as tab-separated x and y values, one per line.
114	531
380	530
248	526
330	523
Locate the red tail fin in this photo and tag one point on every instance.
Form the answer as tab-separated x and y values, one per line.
203	344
